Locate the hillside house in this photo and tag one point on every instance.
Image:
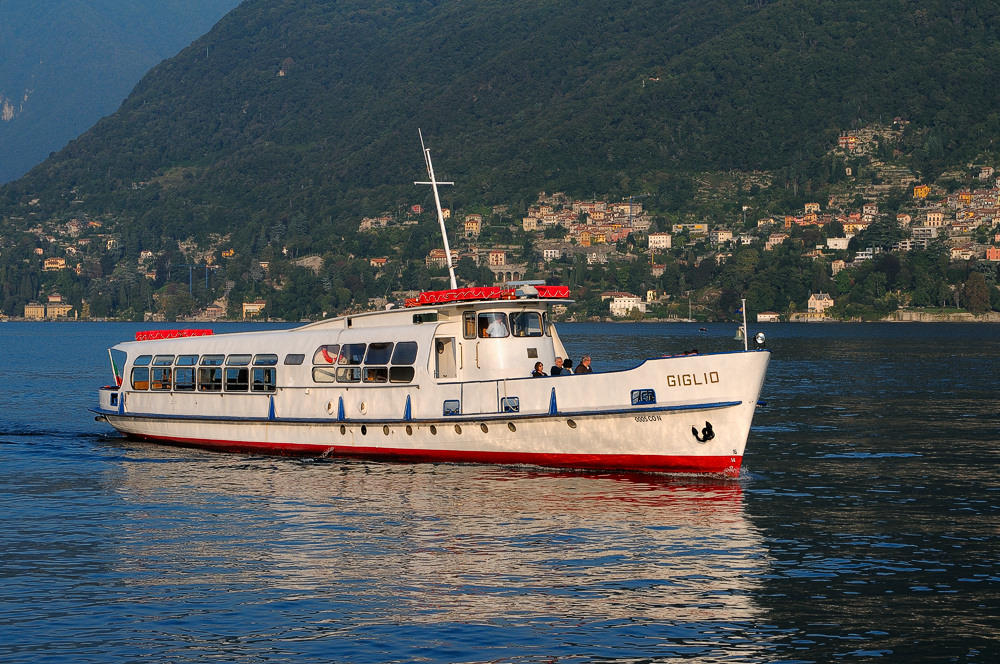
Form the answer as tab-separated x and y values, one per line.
252	309
819	302
53	264
473	225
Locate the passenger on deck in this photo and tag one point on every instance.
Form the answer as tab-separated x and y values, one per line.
539	371
557	368
567	367
584	367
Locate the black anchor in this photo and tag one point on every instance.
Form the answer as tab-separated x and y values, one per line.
706	434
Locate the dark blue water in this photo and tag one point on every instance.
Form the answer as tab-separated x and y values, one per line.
864	528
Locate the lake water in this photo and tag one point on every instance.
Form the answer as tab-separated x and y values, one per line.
864	527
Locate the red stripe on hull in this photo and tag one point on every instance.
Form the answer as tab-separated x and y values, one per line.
716	465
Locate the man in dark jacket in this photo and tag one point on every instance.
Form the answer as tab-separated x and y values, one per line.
584	366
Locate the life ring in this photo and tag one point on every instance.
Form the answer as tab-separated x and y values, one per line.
326	355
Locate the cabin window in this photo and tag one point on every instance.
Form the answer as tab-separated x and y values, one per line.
469	325
429	317
159	378
209	378
264	379
294	358
324	374
212	360
142	361
326	354
348	374
400	374
645	396
405	353
140	377
452	407
510	404
376	374
493	325
163	360
237	379
184	379
526	324
268	360
352	353
379	353
237	360
187	361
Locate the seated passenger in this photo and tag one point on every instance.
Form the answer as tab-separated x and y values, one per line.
567	367
557	368
538	372
584	367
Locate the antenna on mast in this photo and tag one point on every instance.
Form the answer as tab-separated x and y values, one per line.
437	203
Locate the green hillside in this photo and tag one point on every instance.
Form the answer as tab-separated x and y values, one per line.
517	97
291	120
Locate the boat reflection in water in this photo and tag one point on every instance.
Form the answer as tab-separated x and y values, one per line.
333	546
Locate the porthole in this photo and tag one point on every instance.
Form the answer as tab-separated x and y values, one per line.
409	430
434	430
330	407
385	429
458	429
485	428
571	423
343	430
364	430
510	425
363	407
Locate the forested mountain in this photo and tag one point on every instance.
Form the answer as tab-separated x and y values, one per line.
292	119
66	63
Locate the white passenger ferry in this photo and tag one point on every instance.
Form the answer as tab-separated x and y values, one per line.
445	378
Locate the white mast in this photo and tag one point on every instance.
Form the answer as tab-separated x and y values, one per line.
437	202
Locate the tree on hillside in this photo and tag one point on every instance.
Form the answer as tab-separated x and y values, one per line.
977	295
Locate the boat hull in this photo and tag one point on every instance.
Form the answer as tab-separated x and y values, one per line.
697	419
649	440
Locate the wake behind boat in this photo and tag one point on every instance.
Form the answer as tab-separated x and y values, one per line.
445	378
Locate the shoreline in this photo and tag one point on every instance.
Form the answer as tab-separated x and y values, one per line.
907	316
